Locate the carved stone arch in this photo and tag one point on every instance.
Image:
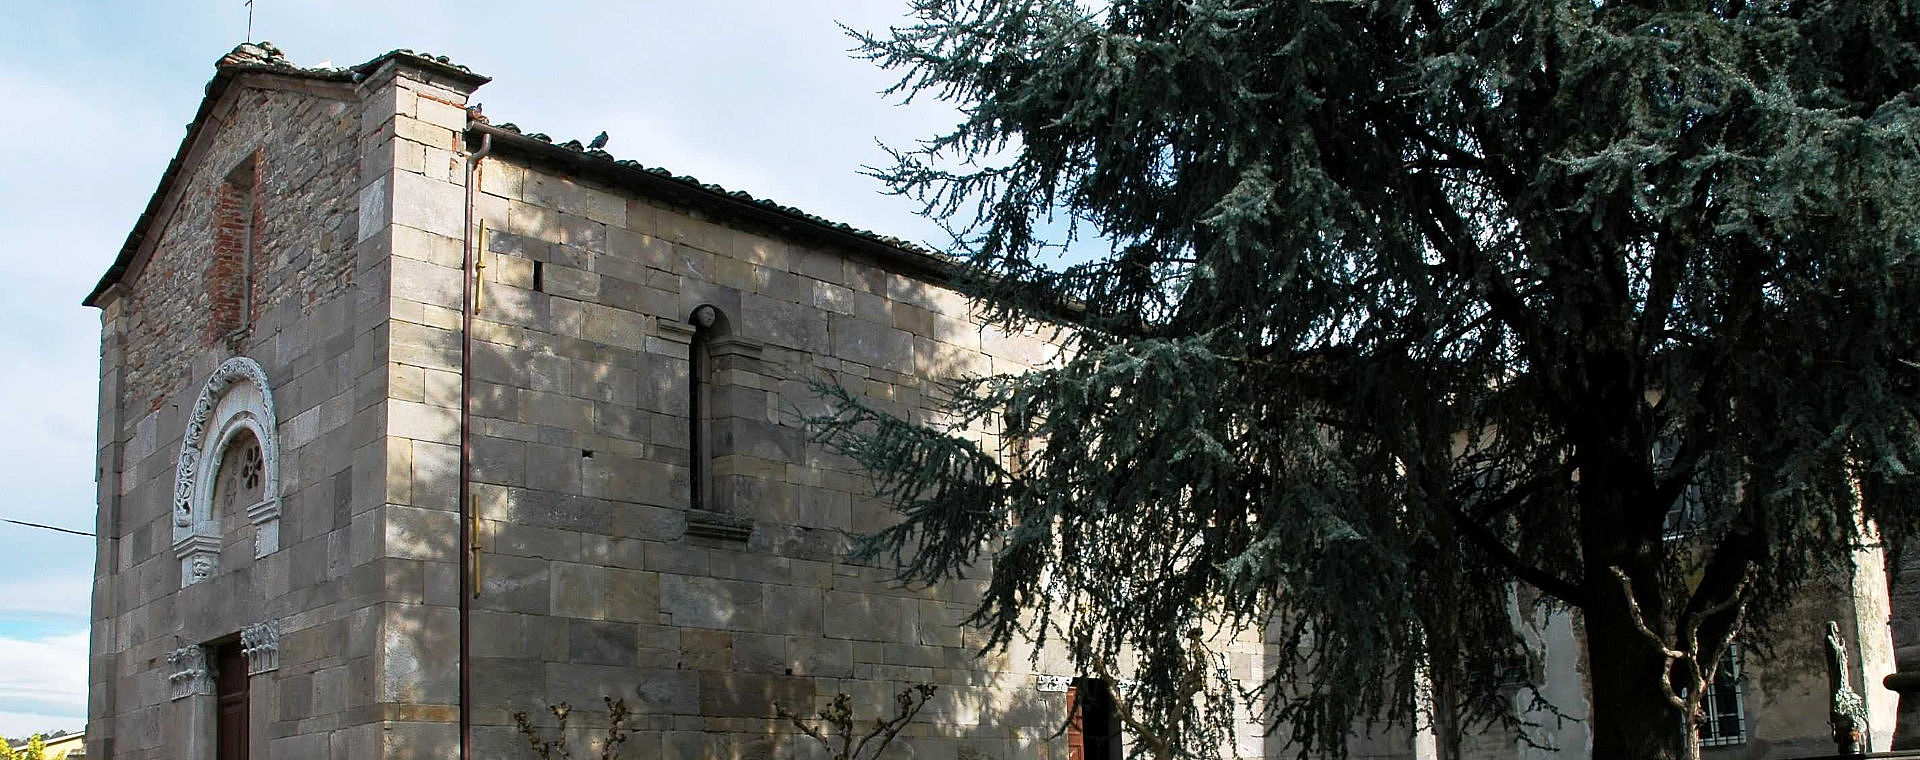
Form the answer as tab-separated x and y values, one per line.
235	398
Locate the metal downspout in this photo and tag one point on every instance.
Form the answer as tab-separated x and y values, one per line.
468	518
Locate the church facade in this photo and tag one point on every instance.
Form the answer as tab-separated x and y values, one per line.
297	548
354	503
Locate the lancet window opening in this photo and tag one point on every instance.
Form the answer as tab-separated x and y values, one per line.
707	323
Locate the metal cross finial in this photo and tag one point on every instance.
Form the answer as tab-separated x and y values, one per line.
249	4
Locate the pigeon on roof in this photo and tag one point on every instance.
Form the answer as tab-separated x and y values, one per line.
599	141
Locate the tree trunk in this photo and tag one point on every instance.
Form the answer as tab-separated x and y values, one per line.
1632	717
1621	531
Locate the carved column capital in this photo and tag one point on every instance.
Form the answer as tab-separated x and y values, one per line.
191	676
260	642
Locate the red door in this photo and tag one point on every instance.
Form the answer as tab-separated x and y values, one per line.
230	665
1093	729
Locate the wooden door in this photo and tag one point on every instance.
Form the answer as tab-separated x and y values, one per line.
230	679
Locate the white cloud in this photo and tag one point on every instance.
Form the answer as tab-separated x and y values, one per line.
43	683
57	595
21	724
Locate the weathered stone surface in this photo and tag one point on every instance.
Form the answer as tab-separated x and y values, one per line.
782	323
869	617
604	643
516	584
710	602
415	666
822	658
872	344
425	204
706	649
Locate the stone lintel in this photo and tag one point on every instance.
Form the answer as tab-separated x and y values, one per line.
718	525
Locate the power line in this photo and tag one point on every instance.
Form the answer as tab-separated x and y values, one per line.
47	527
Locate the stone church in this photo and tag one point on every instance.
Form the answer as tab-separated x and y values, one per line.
354	504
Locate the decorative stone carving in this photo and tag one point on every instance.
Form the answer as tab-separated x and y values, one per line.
1848	716
260	642
190	676
236	397
205	564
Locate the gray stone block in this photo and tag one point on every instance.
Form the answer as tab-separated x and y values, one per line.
510	684
529	541
500	461
782	323
603	643
702	649
415	666
550	509
644	249
414	533
498	635
629	479
750	695
667	691
820	658
872	344
869	617
710	602
553	468
760	653
514	584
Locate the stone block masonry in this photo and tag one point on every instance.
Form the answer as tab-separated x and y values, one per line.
601	580
273	242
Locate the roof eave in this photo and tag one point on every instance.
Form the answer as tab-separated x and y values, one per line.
689	192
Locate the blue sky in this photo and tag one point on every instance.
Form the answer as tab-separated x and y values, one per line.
757	96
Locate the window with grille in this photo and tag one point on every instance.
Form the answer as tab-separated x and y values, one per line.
1689	511
1723	718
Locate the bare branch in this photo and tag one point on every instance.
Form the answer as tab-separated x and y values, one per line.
1669	654
838	723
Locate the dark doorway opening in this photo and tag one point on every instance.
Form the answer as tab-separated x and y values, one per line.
1093	732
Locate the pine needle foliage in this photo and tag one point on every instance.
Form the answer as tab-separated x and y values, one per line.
1401	305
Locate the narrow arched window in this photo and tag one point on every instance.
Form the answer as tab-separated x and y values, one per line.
238	484
707	322
228	472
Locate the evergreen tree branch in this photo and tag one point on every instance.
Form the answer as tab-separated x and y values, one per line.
1564	590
